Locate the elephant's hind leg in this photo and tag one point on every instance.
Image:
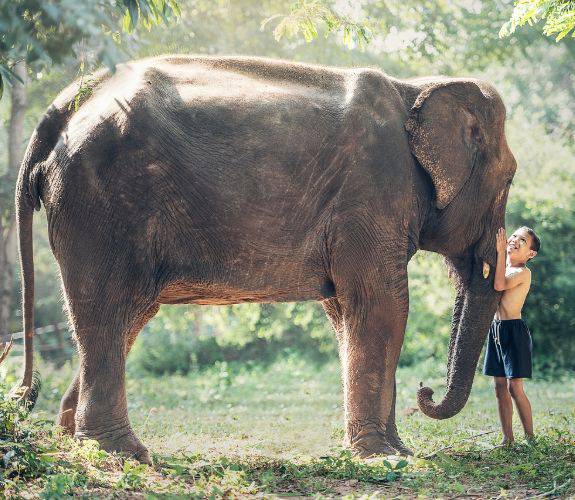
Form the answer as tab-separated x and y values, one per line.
67	414
108	303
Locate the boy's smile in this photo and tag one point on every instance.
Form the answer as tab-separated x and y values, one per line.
519	247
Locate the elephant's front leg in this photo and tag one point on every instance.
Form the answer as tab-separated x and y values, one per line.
372	341
370	278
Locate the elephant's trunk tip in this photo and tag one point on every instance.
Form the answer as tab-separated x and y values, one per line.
427	405
424	398
439	410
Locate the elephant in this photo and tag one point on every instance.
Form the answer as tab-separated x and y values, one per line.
182	179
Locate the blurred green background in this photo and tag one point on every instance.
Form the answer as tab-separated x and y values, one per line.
533	73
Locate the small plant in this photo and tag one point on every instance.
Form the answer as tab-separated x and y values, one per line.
83	93
89	450
133	476
12	414
62	484
346	466
32	450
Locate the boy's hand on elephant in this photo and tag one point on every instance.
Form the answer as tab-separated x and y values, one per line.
501	240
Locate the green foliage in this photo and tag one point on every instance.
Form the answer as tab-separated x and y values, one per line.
21	458
6	74
262	475
62	484
132	477
186	338
12	414
304	17
84	88
46	33
559	16
428	324
446	34
150	12
170	354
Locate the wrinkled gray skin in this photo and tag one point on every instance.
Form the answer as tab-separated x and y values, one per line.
225	180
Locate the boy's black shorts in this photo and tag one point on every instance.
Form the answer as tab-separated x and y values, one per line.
509	347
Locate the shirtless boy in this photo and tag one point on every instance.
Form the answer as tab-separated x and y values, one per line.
508	355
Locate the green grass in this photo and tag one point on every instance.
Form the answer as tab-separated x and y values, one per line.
239	431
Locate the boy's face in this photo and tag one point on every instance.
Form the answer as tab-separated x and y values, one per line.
519	246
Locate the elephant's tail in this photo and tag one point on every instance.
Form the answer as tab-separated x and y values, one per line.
28	195
30	385
29	388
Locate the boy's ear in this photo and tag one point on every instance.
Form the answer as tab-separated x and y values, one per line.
532	253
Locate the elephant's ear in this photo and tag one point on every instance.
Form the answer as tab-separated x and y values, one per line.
445	134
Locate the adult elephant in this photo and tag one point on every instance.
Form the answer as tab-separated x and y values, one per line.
220	180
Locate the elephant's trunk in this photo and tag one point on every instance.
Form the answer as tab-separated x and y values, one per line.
474	309
455	320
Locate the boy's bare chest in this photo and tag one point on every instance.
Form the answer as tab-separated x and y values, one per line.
512	302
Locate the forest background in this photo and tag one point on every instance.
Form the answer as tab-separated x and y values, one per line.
533	73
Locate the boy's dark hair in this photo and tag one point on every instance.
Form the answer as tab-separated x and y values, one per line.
535	241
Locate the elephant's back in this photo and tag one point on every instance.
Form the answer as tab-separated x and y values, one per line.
198	98
241	77
192	96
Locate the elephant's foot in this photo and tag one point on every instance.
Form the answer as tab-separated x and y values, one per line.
370	440
396	442
122	441
67	414
66	419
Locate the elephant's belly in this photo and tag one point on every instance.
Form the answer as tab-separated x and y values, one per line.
225	294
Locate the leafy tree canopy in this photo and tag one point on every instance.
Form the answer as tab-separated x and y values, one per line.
43	33
559	16
427	27
305	15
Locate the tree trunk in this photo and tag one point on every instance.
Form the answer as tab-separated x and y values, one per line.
7	214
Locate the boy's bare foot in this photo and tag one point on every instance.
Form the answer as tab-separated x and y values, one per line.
507	441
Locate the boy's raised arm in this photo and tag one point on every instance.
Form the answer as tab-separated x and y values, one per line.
505	281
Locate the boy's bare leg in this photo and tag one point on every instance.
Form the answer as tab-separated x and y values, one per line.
522	404
505	406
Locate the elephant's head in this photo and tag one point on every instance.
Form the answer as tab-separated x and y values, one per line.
456	132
